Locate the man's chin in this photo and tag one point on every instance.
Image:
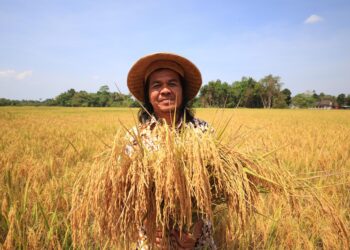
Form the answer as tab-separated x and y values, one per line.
168	109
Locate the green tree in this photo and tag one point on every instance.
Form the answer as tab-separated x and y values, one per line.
104	96
321	96
347	100
82	99
279	101
134	104
103	89
120	100
269	90
65	98
341	99
315	95
5	102
214	94
204	96
304	100
287	96
246	93
49	102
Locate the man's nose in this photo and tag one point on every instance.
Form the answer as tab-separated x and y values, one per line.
165	90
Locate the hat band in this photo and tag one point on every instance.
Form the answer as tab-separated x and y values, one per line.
163	64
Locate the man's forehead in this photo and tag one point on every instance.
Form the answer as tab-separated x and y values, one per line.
164	73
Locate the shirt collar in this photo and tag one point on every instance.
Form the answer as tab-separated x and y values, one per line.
153	122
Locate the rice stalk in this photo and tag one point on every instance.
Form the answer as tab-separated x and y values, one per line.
160	188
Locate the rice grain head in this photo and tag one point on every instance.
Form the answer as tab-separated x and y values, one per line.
185	173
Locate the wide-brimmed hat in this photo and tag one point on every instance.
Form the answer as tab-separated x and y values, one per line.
140	71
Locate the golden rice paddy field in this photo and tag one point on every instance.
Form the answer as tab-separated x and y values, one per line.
43	150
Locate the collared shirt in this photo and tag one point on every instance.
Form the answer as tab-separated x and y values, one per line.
150	142
149	139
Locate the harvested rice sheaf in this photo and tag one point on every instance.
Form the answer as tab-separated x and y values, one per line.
162	186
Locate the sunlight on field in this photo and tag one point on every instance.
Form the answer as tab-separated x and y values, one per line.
42	151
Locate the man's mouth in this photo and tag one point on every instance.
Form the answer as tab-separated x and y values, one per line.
166	100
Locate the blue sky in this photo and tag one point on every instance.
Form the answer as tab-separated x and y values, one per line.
48	46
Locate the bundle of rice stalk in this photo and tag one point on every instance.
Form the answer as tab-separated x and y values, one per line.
160	187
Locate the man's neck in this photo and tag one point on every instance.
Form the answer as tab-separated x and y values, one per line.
169	118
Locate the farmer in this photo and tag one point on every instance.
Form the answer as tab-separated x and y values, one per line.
165	84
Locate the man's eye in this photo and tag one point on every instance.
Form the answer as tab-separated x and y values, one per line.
155	85
173	84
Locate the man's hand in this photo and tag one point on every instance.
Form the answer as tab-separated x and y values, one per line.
187	241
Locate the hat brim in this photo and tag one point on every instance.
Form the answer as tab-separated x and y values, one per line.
136	75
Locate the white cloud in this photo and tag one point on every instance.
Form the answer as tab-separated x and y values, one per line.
11	73
313	19
7	73
24	74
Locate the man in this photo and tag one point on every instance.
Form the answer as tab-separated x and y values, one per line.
165	83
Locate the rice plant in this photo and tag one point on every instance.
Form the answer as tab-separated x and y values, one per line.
304	203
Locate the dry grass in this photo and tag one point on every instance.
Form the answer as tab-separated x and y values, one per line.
183	173
44	150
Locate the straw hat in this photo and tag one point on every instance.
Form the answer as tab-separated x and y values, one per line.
140	71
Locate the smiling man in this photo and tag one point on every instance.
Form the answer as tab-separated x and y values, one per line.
165	83
165	94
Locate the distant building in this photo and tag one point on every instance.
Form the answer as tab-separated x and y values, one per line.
326	104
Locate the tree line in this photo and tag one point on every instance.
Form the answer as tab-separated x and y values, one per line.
265	93
247	92
72	98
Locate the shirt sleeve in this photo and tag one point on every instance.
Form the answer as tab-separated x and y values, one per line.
206	240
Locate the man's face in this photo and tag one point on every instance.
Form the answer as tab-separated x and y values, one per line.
165	92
